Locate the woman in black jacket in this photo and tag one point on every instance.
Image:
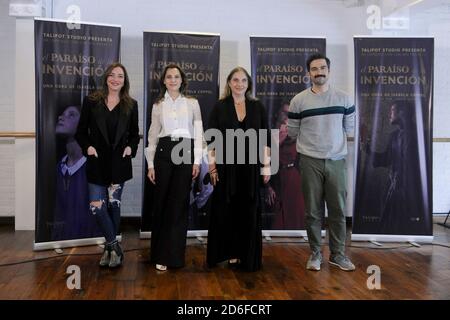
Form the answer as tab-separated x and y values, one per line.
108	133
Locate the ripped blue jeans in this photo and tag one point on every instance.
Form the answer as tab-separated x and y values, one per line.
108	214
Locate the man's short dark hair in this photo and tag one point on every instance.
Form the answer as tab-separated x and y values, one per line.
316	56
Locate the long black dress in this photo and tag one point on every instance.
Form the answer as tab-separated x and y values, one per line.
235	218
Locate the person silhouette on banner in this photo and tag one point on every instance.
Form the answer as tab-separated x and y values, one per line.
402	209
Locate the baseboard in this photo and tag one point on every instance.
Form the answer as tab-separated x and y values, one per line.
130	222
134	222
441	214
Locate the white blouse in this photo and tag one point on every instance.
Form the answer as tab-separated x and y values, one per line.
179	118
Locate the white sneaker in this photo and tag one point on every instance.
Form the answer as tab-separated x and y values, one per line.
342	262
161	267
314	261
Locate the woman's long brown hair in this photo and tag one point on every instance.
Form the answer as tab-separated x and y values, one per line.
126	102
248	93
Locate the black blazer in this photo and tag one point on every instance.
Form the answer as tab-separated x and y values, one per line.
110	167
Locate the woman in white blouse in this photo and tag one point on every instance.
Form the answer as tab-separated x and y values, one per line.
173	156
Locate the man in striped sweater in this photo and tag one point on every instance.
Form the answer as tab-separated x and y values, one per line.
320	118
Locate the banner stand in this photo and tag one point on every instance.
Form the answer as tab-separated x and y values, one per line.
69	65
39	246
278	69
198	55
190	234
393	139
265	233
444	224
391	238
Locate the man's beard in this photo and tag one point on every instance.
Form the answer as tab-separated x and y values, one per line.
320	80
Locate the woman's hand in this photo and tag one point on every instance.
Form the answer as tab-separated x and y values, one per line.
214	176
151	175
195	171
126	152
271	196
92	152
266	172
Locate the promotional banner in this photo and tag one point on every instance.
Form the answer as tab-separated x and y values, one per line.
198	56
393	187
70	60
279	73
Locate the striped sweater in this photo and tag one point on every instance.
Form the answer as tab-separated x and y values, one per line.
321	122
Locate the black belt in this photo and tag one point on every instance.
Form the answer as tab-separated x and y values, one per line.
173	138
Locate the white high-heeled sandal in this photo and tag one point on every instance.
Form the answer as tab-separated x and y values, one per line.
161	267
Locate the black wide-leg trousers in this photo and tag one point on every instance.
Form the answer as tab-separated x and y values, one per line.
171	205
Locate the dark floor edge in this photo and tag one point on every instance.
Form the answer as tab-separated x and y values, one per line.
8	221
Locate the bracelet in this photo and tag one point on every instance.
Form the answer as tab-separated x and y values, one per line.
213	170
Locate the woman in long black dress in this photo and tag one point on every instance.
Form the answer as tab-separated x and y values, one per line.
234	232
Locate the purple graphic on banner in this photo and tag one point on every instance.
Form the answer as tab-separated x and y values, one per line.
279	73
198	56
69	65
394	89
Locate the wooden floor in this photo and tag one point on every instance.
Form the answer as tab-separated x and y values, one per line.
406	273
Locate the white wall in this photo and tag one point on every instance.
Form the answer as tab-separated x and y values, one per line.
235	20
25	153
7	64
